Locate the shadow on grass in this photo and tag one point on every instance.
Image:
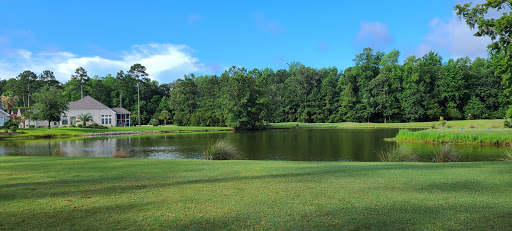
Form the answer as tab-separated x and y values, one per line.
160	216
113	182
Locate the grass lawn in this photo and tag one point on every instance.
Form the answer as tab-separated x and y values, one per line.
52	193
498	123
470	136
28	133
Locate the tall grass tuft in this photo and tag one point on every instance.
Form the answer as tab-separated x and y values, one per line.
58	152
121	153
507	154
444	153
398	153
222	150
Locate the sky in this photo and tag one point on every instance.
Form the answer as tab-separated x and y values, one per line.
174	38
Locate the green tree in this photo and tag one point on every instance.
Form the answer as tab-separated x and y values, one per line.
27	116
48	78
26	81
138	72
82	79
164	115
9	101
50	104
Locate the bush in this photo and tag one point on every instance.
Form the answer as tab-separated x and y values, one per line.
153	122
222	150
507	123
80	125
73	126
398	153
444	154
31	126
13	128
95	126
64	126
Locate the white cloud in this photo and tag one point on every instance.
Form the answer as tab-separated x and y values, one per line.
453	38
373	34
164	62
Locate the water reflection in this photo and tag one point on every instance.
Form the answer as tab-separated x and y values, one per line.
293	144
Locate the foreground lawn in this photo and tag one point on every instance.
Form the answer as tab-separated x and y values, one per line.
468	136
498	123
69	132
51	193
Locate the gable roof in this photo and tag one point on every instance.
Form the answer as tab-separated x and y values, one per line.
87	103
120	110
2	111
23	110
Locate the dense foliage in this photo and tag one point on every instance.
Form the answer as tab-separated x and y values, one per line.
378	88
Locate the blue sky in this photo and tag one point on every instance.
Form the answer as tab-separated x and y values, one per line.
173	38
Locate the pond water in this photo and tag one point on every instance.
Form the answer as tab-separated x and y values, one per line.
286	144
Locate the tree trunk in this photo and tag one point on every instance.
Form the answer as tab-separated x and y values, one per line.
384	119
165	122
49	124
138	104
81	91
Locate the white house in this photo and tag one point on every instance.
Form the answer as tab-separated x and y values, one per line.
4	116
100	113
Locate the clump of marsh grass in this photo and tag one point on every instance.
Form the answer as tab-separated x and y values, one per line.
398	153
222	150
121	153
507	154
444	153
473	126
58	152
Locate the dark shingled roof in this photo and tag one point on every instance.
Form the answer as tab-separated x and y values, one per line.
87	103
23	110
120	110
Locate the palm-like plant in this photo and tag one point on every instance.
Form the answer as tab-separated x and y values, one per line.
164	115
9	101
84	118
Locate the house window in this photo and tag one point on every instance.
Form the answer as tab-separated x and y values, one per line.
106	119
64	120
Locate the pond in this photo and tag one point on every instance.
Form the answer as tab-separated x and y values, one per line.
282	144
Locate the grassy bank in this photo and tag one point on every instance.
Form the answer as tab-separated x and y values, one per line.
454	124
463	136
31	133
50	193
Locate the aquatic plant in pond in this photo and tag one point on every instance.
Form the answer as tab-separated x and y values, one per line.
398	153
222	150
121	153
444	153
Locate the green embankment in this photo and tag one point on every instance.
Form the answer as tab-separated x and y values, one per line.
463	136
52	193
29	133
498	123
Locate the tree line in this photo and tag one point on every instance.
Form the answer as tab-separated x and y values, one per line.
377	88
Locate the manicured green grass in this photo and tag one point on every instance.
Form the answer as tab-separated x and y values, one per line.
51	193
455	124
28	133
468	136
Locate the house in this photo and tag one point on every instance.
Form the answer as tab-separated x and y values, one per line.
101	114
4	116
